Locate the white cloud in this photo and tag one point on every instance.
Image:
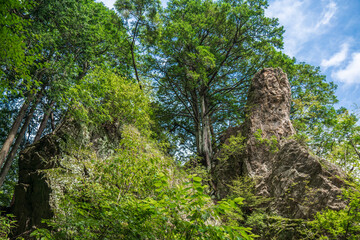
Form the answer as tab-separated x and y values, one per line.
327	15
337	58
302	20
351	73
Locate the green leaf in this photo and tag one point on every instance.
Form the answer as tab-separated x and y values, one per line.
197	179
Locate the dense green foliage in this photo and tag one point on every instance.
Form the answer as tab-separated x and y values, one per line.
137	193
104	97
75	38
145	86
16	55
343	224
208	52
140	19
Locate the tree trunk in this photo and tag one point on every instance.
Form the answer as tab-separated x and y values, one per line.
206	148
198	139
356	150
4	171
52	121
132	48
15	127
44	122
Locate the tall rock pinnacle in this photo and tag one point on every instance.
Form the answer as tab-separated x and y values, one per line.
299	183
268	104
267	116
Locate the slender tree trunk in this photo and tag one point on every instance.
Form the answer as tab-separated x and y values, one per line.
44	122
52	121
206	148
356	150
196	119
4	171
203	133
85	68
134	65
132	48
15	127
198	138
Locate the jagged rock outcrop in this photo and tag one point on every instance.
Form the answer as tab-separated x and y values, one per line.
299	183
35	192
32	193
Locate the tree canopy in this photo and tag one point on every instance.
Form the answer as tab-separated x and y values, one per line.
171	80
208	53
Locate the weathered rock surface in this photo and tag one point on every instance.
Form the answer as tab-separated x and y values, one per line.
299	183
35	192
32	193
268	111
302	184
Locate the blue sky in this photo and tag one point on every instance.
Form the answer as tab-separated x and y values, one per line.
323	33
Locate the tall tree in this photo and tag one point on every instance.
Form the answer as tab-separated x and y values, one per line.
140	20
76	36
9	160
208	53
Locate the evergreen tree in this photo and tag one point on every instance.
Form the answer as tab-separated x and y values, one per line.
208	52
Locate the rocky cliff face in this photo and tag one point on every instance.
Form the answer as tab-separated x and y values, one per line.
35	192
299	183
302	184
32	193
